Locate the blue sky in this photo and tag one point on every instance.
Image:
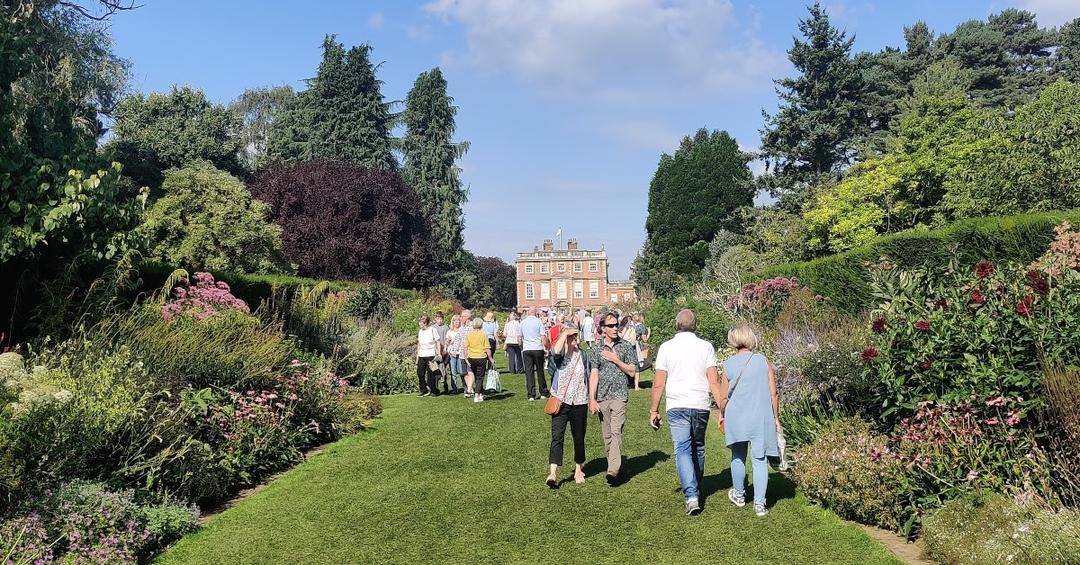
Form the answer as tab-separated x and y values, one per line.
567	104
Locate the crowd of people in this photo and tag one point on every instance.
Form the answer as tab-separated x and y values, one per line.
593	362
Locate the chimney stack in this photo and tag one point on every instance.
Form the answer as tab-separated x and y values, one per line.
548	245
571	245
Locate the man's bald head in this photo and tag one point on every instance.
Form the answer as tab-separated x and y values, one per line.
685	321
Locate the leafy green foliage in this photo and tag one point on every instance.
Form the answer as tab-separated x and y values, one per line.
59	198
843	277
693	194
256	110
845	470
207	220
163	131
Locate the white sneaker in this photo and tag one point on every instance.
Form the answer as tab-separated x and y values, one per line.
478	398
692	507
738	499
760	510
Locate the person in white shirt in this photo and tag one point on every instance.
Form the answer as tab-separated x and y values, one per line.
686	373
512	338
587	330
428	347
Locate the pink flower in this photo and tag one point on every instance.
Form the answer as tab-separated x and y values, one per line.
991	421
1014	418
984	269
869	354
999	401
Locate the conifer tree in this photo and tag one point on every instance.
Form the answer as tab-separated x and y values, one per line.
429	160
819	118
693	195
341	116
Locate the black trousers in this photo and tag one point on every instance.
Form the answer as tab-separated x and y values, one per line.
429	380
479	368
513	355
576	416
534	371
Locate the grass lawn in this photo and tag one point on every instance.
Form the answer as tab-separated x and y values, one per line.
444	480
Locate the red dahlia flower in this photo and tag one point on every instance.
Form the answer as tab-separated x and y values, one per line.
1038	283
977	297
879	325
984	269
941	303
869	355
1024	306
922	325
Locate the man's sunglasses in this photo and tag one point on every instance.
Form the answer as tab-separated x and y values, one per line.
609	325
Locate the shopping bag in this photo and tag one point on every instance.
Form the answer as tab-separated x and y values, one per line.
491	381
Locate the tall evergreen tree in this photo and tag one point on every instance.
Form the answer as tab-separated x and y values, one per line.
342	115
1027	56
819	118
1067	55
693	195
429	160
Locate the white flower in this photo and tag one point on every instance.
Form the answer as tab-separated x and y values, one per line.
63	396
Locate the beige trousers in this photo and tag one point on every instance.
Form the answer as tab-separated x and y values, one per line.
612	420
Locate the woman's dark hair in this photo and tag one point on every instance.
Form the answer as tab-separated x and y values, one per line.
604	318
425	320
627	320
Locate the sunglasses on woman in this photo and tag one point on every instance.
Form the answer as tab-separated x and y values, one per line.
609	325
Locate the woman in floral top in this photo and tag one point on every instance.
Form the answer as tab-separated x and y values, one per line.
573	391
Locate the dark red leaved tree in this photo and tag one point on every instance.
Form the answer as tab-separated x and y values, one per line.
342	221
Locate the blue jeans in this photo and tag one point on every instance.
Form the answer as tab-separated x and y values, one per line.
738	472
457	370
688	427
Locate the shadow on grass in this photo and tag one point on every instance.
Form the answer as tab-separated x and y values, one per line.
780	487
630	468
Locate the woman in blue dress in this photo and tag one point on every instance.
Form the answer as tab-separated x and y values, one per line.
749	409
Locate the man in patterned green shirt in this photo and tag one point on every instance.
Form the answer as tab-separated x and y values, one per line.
613	360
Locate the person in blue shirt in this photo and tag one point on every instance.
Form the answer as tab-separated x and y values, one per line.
532	353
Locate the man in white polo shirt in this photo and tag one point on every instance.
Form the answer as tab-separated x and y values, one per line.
686	371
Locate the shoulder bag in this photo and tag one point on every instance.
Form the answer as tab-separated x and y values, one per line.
735	383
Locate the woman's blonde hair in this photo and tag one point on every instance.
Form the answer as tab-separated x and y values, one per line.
741	336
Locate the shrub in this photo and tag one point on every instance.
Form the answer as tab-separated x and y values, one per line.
341	221
86	522
201	300
851	470
230	350
379	360
406	314
313	316
1062	386
369	302
358	408
844	277
952	450
208	220
992	529
975	331
660	317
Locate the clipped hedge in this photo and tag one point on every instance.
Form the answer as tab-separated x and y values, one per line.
842	277
254	289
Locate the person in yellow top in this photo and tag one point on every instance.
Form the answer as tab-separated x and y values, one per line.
478	349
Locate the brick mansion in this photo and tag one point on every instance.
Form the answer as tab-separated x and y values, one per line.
567	278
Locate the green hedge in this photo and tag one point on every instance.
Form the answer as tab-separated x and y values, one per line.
843	278
253	289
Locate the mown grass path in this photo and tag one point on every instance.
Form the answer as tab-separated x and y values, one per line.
444	480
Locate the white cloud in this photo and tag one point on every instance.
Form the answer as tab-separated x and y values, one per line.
376	20
621	51
1052	12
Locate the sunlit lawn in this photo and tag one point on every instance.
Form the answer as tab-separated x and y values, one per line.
439	480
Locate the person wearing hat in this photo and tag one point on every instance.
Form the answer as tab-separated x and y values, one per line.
491	328
571	389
